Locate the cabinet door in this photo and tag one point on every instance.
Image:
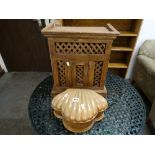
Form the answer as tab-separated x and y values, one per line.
83	74
72	74
79	73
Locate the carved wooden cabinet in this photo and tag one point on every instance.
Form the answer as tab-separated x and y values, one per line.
79	56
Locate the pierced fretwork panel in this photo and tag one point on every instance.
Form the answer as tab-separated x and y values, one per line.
61	72
80	74
97	73
79	48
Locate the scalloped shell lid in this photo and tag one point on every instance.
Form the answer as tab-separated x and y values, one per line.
79	105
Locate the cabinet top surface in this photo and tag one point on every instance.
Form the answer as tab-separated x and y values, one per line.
51	30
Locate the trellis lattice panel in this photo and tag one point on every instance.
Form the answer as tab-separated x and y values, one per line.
61	72
79	48
80	75
97	73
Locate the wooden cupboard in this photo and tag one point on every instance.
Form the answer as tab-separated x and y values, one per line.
79	56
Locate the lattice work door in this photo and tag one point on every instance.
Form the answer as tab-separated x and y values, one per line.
79	74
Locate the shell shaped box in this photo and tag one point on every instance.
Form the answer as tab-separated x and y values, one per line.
79	108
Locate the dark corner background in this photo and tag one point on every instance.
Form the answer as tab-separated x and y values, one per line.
23	47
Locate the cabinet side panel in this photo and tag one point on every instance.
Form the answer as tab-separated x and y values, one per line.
53	61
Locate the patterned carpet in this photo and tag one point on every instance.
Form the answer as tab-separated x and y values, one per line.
126	113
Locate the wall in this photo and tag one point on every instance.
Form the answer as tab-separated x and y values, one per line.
147	32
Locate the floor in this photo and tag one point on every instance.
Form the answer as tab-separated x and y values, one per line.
15	91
